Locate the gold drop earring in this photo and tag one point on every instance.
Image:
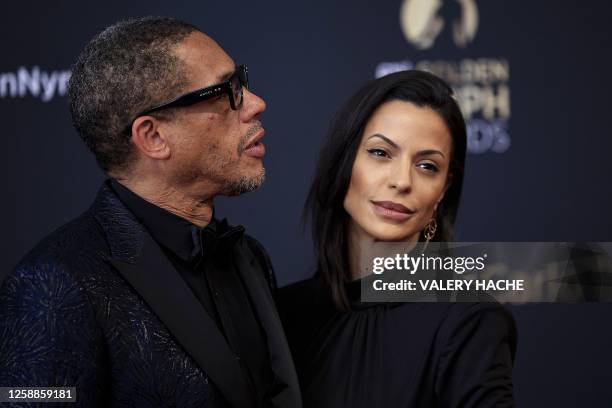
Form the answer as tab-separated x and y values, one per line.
430	229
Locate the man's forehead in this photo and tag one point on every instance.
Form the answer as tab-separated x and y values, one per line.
205	60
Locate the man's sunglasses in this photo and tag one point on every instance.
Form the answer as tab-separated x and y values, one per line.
233	87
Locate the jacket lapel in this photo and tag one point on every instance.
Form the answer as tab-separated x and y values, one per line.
142	263
288	392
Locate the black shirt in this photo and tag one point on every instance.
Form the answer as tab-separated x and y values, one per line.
397	354
202	256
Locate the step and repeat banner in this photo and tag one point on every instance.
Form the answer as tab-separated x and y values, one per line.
532	80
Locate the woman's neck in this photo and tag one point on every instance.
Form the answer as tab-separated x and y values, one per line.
363	246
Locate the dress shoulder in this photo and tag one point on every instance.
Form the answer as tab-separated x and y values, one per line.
477	344
303	307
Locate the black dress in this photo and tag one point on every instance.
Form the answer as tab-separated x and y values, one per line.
398	354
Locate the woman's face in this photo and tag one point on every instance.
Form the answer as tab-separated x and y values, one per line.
400	172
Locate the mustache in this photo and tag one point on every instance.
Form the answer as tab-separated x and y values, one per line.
249	134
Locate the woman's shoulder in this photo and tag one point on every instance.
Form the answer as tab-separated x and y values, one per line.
475	348
303	308
303	297
484	311
488	321
306	287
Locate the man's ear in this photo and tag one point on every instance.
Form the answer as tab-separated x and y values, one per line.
148	139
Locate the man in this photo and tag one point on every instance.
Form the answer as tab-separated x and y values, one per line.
147	299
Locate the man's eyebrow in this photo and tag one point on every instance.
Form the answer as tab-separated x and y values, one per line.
385	138
226	76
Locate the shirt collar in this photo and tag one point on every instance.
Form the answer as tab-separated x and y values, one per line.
185	239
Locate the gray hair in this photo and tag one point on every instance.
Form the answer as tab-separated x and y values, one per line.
123	70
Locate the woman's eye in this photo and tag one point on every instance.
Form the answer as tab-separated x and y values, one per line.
429	166
378	152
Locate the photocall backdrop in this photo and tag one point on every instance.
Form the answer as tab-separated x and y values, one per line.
532	79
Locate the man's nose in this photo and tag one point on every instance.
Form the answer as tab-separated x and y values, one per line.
252	106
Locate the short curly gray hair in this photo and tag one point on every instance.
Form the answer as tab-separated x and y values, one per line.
123	70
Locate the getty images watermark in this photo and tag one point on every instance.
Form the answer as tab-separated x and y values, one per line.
507	272
34	82
455	264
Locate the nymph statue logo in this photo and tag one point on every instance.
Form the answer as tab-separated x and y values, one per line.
481	83
422	23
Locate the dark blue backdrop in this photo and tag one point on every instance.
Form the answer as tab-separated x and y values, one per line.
305	58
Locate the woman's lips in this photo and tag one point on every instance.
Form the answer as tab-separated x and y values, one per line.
394	211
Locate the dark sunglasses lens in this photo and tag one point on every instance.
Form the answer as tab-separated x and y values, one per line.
244	76
237	89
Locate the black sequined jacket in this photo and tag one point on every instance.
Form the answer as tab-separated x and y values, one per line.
97	306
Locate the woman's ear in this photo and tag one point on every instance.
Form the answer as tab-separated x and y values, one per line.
449	180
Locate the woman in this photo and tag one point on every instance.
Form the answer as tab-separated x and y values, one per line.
391	169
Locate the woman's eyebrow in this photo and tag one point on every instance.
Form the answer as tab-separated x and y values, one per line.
384	138
430	151
392	143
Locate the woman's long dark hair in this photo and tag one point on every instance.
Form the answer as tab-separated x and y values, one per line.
324	204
